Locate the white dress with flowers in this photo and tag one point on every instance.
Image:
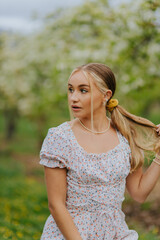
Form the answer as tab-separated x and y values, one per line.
95	186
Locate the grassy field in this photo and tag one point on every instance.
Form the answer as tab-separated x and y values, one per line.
23	198
23	202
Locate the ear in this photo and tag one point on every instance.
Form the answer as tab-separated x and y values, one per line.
107	95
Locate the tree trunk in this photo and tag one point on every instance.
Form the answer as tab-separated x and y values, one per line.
10	117
41	121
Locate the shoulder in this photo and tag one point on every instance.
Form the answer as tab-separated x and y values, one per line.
121	136
59	131
124	141
56	137
55	150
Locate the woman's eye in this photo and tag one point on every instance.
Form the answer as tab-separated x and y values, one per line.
70	89
83	90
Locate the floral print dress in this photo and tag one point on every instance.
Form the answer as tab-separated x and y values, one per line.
95	186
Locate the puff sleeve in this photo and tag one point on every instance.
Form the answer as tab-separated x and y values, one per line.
54	149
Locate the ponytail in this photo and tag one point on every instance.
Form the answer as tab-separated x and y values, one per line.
140	133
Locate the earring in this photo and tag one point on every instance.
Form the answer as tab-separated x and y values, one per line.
105	102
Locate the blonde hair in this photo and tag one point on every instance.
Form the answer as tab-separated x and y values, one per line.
140	132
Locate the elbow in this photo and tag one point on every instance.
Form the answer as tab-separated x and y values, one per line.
51	207
138	196
140	199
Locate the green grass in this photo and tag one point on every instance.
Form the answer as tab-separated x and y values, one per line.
23	208
151	235
144	234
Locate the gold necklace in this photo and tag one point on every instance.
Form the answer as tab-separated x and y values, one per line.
95	131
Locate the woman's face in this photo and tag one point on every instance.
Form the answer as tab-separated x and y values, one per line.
79	96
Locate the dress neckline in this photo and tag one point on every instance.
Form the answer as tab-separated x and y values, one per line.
95	154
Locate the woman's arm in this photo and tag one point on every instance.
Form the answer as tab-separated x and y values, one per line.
140	184
56	189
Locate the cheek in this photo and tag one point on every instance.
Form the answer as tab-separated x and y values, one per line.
87	100
97	100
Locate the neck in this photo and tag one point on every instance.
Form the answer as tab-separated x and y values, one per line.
99	123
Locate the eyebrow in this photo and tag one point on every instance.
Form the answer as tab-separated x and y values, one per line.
81	85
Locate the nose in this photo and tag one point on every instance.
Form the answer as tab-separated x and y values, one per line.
74	97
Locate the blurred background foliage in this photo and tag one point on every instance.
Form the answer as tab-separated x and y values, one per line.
35	68
33	83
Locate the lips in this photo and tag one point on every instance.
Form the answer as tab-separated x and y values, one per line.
76	108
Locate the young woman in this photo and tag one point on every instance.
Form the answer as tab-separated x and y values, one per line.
92	158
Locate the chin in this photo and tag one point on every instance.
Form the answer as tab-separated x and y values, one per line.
77	115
